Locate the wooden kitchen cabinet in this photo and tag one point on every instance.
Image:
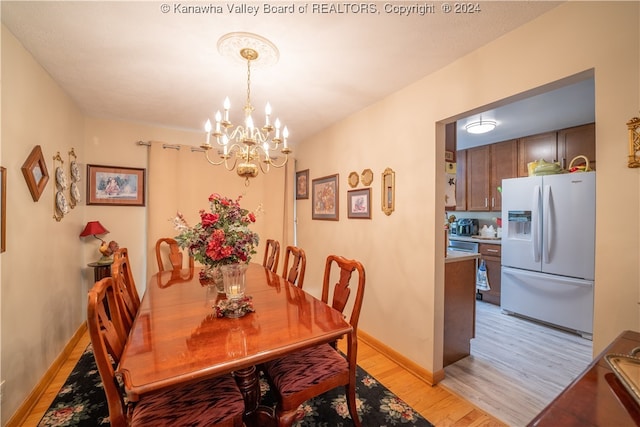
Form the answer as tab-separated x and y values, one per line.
561	146
575	141
459	308
461	180
536	147
487	166
492	256
504	164
478	180
450	140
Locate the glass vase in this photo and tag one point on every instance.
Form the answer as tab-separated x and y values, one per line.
212	276
233	276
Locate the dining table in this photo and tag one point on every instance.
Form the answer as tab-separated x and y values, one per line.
177	338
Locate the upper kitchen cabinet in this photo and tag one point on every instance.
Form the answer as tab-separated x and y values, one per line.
461	180
504	164
536	147
577	141
450	141
478	182
486	167
561	146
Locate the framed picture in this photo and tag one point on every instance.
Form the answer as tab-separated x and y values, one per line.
115	186
302	184
359	203
3	209
448	156
35	173
325	198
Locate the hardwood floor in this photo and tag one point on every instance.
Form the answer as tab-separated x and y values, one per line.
438	405
515	369
52	390
516	366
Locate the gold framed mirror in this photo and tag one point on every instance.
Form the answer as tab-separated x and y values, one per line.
388	191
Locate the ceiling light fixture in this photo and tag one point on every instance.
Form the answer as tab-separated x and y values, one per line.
247	147
480	126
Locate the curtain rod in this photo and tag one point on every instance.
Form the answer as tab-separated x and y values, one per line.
148	144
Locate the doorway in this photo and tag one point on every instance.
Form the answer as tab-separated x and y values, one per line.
509	353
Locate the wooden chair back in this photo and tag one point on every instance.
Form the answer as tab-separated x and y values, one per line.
341	291
104	322
174	256
271	255
121	273
294	273
121	253
301	375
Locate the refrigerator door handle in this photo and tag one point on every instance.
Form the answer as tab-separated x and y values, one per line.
547	225
535	224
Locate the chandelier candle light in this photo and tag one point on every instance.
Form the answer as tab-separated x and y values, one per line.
248	145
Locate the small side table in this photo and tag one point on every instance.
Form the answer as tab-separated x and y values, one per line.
100	270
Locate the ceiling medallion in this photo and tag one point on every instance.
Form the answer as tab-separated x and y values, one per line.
231	46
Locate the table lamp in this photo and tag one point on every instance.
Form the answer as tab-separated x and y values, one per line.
92	229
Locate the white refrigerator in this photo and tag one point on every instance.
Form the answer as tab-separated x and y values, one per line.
548	249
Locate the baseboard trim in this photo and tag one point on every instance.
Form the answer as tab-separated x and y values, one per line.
17	419
417	370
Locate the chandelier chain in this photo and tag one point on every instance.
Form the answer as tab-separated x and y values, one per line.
249	106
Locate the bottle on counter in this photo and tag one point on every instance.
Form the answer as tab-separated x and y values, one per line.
482	282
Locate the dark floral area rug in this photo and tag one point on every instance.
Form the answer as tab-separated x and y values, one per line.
81	402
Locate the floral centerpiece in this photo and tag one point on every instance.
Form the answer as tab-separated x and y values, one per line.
221	237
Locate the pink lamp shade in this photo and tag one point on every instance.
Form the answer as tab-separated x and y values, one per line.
92	228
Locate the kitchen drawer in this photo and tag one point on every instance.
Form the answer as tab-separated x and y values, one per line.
487	249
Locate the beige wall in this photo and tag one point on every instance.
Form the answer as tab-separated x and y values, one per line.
45	277
42	293
403	252
44	273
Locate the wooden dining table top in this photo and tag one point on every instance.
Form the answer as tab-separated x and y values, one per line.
176	337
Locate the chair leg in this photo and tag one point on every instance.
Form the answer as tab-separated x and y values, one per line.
287	418
351	403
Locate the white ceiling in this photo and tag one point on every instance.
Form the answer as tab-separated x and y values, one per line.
130	61
570	105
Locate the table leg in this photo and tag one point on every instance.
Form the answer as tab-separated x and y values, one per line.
249	385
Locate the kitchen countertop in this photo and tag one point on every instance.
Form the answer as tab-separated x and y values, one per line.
477	239
455	256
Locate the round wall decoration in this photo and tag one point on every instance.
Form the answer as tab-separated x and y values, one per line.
367	177
353	179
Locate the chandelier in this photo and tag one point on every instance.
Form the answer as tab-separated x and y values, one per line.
247	148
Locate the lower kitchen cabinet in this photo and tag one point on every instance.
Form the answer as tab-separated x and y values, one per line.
492	256
459	307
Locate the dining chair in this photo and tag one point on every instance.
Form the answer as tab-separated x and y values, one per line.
174	254
295	273
121	272
120	253
271	255
299	376
213	402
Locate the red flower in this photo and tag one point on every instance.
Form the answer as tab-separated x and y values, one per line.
208	218
213	197
252	217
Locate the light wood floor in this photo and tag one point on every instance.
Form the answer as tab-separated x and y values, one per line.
516	366
515	369
436	404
